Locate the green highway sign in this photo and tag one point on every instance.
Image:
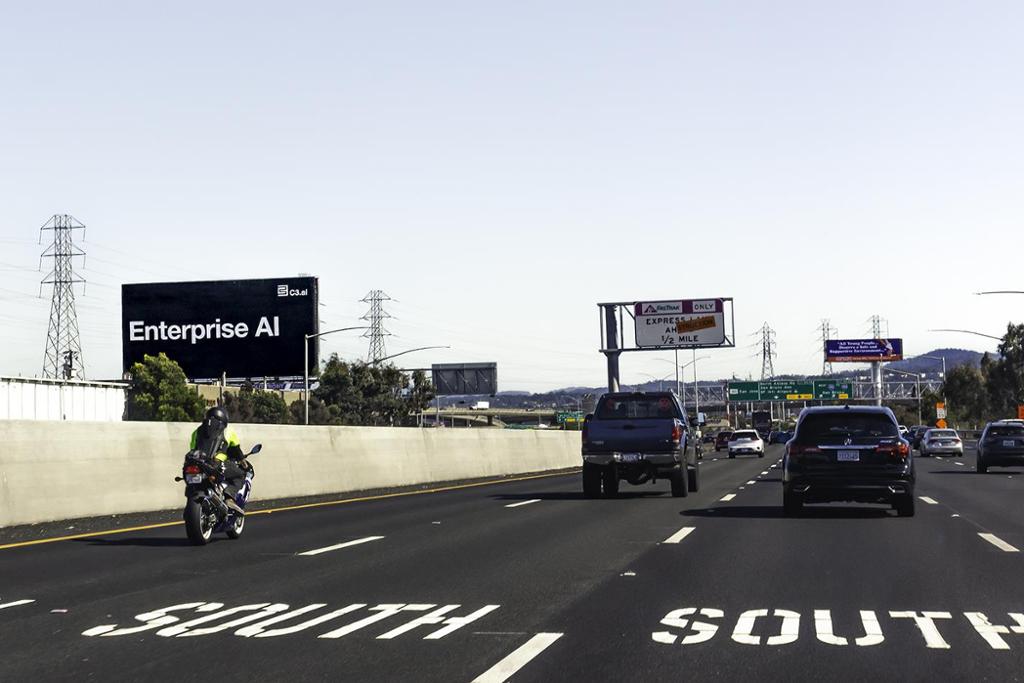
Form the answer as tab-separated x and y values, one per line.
571	417
790	390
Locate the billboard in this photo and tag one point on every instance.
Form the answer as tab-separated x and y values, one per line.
863	350
245	328
464	379
680	323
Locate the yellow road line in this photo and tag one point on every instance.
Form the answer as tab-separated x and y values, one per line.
288	508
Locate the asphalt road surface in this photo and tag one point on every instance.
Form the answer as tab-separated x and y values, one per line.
528	581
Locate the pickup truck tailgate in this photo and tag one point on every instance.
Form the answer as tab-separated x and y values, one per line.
629	436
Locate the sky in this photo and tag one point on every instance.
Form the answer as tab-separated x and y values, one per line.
499	168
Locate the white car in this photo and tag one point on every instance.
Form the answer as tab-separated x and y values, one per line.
941	442
904	431
746	441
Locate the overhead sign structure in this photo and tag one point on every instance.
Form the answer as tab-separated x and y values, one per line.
863	350
693	323
242	328
465	379
790	390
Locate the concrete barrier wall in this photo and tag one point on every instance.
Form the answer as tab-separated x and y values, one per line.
63	470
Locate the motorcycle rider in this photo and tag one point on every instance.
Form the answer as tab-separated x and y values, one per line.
216	439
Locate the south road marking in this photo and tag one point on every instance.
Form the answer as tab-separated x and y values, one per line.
784	627
15	603
523	502
339	546
679	535
930	501
999	543
254	621
727	497
506	668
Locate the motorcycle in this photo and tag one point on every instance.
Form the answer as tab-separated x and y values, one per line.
205	510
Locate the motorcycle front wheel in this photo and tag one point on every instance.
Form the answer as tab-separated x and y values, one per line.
235	530
197	525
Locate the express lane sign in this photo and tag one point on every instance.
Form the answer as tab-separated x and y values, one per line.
680	323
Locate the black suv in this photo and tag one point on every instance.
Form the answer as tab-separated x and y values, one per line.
846	453
1001	444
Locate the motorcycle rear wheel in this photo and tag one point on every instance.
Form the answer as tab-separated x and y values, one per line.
197	525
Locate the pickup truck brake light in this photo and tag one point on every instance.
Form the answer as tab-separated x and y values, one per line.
677	433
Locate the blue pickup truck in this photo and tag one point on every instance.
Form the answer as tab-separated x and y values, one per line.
639	437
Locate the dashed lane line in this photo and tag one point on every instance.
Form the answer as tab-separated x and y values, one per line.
727	497
524	502
15	603
506	668
930	501
290	508
679	535
959	464
999	543
751	482
339	546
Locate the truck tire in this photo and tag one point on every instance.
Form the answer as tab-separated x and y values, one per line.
610	481
693	478
591	480
679	488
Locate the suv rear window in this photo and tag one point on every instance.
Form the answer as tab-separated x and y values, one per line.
637	408
1006	430
833	425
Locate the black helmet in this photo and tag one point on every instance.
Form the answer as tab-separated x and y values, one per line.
219	414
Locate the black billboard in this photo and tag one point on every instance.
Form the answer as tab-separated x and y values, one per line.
245	328
465	379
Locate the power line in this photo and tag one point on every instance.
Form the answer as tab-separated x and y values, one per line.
63	355
376	316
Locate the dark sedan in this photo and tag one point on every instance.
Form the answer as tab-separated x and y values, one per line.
722	440
846	453
1001	445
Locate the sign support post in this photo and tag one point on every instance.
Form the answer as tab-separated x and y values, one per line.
611	345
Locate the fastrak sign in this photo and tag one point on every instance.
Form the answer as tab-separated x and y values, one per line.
863	350
245	328
675	324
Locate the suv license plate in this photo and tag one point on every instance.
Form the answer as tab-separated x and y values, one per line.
193	478
848	456
1009	443
630	457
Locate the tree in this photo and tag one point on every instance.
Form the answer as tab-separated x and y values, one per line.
1004	377
364	394
256	406
966	395
159	392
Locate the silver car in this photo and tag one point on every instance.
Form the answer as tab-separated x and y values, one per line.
941	442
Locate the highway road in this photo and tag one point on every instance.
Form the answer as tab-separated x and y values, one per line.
526	580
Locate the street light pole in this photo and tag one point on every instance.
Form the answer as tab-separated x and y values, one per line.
305	361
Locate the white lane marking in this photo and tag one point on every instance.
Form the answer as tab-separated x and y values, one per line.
727	497
930	501
680	535
959	464
339	546
751	482
15	603
999	543
504	670
524	502
764	473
